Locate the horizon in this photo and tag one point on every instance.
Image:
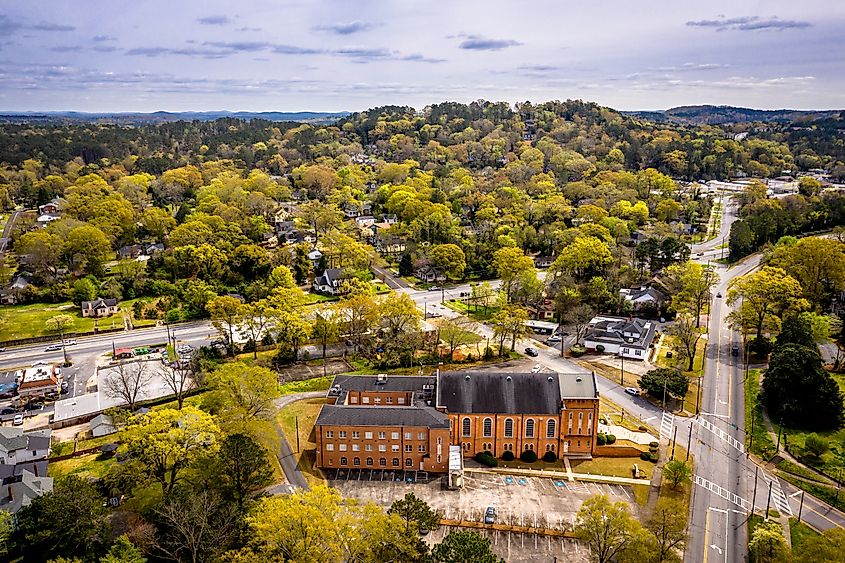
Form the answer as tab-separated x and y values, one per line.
259	57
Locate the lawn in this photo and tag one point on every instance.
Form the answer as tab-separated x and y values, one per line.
91	465
615	415
762	443
64	448
306	413
800	533
314	384
615	466
29	321
476	314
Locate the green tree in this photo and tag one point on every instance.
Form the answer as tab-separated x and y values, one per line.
510	264
740	240
509	321
123	551
816	445
43	250
245	465
449	258
464	547
406	265
226	312
586	257
817	263
686	336
415	513
677	473
70	521
767	544
827	546
87	248
165	442
239	393
765	293
326	329
673	381
799	391
256	319
693	283
607	528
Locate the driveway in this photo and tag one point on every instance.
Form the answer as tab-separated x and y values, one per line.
285	454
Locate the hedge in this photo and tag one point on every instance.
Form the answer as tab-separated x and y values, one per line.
528	456
508	455
486	458
601	439
610	439
549	457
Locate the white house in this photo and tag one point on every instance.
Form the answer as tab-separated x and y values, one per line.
630	338
329	282
17	446
643	297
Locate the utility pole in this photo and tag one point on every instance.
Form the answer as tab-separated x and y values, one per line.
689	441
622	376
768	500
754	498
664	394
296	421
801	506
751	440
780	427
698	395
675	441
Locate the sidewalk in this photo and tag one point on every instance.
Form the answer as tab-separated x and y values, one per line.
622	433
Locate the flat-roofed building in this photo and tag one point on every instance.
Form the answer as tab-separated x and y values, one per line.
39	380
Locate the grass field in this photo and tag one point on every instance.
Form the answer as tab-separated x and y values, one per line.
615	466
92	466
482	314
306	413
315	384
29	321
762	444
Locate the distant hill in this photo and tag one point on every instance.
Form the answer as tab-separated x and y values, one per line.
719	115
167	117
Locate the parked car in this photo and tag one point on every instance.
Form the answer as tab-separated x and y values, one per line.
719	295
18	420
531	352
2	350
434	288
64	387
8	410
735	350
632	391
536	369
53	348
555	338
490	515
70	342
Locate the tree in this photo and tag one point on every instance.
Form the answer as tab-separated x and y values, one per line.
406	265
195	525
671	380
694	283
225	313
399	313
740	240
509	321
245	466
123	551
292	329
607	528
511	263
415	513
43	250
359	314
809	186
180	379
456	332
256	318
464	547
798	390
816	445
667	526
580	316
165	442
449	258
686	336
326	329
677	472
817	263
585	258
128	382
83	290
767	292
482	294
767	544
87	248
68	521
241	392
59	323
827	546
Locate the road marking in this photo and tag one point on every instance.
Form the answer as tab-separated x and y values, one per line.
667	421
714	414
706	533
649	418
721	434
724	493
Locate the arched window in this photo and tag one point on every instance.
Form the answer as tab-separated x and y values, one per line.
466	429
382	461
408	462
508	428
357	461
369	461
529	428
488	427
550	428
343	461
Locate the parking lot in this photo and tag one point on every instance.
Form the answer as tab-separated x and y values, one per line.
520	501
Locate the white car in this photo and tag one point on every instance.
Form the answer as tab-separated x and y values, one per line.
554	338
536	368
632	391
18	420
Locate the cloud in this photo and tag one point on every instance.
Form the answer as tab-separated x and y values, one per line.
364	53
239	46
479	43
8	25
66	48
51	27
101	38
346	28
420	58
215	20
152	52
294	50
749	23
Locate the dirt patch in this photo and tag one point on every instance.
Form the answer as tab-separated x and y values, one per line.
310	370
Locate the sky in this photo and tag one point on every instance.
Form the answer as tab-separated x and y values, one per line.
327	55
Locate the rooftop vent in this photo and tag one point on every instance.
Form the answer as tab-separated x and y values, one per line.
578	379
466	378
551	379
509	378
381	379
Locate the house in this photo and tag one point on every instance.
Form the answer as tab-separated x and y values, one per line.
14	292
99	307
50	208
543	261
643	297
284	227
330	282
38	381
389	245
364	221
154	249
390	219
17	446
130	252
627	337
315	256
102	425
543	311
412	422
46	218
23	491
429	274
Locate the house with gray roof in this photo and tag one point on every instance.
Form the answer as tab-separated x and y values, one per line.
17	446
22	492
643	297
627	337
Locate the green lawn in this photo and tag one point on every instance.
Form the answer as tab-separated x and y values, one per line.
479	314
800	533
91	466
306	413
762	443
28	321
315	384
64	448
615	466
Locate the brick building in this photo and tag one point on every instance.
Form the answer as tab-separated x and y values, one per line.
409	422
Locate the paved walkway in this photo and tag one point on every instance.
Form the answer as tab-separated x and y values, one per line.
549	474
286	456
623	433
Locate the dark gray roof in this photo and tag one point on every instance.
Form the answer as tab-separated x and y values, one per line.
12	439
498	392
23	492
99	302
9	472
412	383
332	415
611	329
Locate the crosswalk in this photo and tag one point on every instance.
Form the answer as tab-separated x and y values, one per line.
721	434
667	422
779	500
722	492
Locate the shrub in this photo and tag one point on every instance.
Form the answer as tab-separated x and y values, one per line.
486	458
645	456
654	445
816	445
643	429
508	455
577	351
610	439
601	439
528	456
600	348
760	346
549	457
653	456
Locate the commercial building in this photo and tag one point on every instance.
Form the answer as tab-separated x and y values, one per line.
39	380
410	422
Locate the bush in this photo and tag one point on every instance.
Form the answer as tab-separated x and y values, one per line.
600	348
816	445
601	439
645	456
676	383
550	457
528	456
653	456
508	456
577	351
654	445
643	429
610	439
486	458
